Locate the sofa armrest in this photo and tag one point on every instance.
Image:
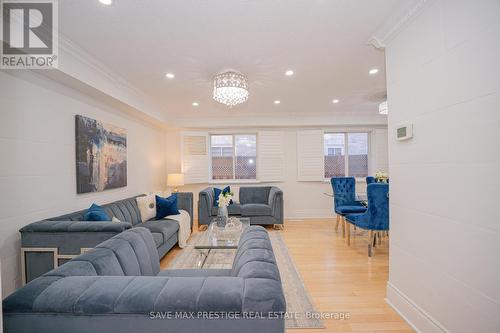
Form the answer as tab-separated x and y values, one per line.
185	202
76	226
276	203
205	203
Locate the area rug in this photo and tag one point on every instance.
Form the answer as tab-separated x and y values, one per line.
297	298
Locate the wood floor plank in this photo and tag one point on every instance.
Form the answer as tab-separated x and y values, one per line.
338	277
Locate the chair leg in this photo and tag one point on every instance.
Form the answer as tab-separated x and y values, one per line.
379	237
370	243
348	232
343	226
337	223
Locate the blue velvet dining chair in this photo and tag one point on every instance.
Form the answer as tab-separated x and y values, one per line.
376	217
344	199
370	180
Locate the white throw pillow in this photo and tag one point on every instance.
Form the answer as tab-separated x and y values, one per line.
114	219
147	207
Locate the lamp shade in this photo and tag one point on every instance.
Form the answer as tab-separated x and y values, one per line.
175	179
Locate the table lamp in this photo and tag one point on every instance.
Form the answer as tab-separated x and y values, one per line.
175	180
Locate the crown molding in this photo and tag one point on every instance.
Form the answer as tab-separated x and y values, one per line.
336	119
396	23
76	62
71	48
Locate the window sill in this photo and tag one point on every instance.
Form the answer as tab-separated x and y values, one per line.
358	180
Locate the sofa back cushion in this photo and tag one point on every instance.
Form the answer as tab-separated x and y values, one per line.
124	210
131	253
255	256
254	194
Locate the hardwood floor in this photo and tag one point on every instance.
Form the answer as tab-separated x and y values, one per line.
339	278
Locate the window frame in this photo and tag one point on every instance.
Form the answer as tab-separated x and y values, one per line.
233	180
346	149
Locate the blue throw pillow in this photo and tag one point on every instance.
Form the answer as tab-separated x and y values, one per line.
96	213
218	191
166	206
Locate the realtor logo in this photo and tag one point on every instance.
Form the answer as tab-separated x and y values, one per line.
29	34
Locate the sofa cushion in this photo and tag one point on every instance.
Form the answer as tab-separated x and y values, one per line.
218	191
147	207
254	194
72	268
132	252
96	213
256	210
104	261
166	206
234	209
158	237
166	227
125	210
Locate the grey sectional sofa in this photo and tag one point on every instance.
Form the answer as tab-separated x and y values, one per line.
118	287
262	204
49	243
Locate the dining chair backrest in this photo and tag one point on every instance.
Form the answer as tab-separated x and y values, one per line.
378	206
344	190
370	180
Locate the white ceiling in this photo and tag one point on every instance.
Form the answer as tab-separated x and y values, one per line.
324	42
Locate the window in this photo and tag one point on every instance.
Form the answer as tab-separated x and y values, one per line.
346	154
234	157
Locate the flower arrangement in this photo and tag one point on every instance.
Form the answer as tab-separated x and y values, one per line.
381	176
225	199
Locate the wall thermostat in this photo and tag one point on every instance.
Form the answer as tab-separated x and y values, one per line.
404	132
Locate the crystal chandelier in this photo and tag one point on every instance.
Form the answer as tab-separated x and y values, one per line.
382	108
230	88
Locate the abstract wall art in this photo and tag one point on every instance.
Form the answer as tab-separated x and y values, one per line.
101	155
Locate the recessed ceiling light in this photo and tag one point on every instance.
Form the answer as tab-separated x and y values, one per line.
373	71
277	102
106	2
335	101
170	75
196	103
289	72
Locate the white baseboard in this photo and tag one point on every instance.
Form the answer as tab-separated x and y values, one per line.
415	316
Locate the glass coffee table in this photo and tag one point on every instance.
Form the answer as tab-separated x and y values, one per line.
217	238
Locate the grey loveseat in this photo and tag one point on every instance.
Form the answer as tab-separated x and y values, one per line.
262	204
49	243
118	287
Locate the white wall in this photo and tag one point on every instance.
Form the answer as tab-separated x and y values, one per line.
1	316
443	76
37	149
301	199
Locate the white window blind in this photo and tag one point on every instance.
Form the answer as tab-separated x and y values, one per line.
310	155
195	159
271	146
